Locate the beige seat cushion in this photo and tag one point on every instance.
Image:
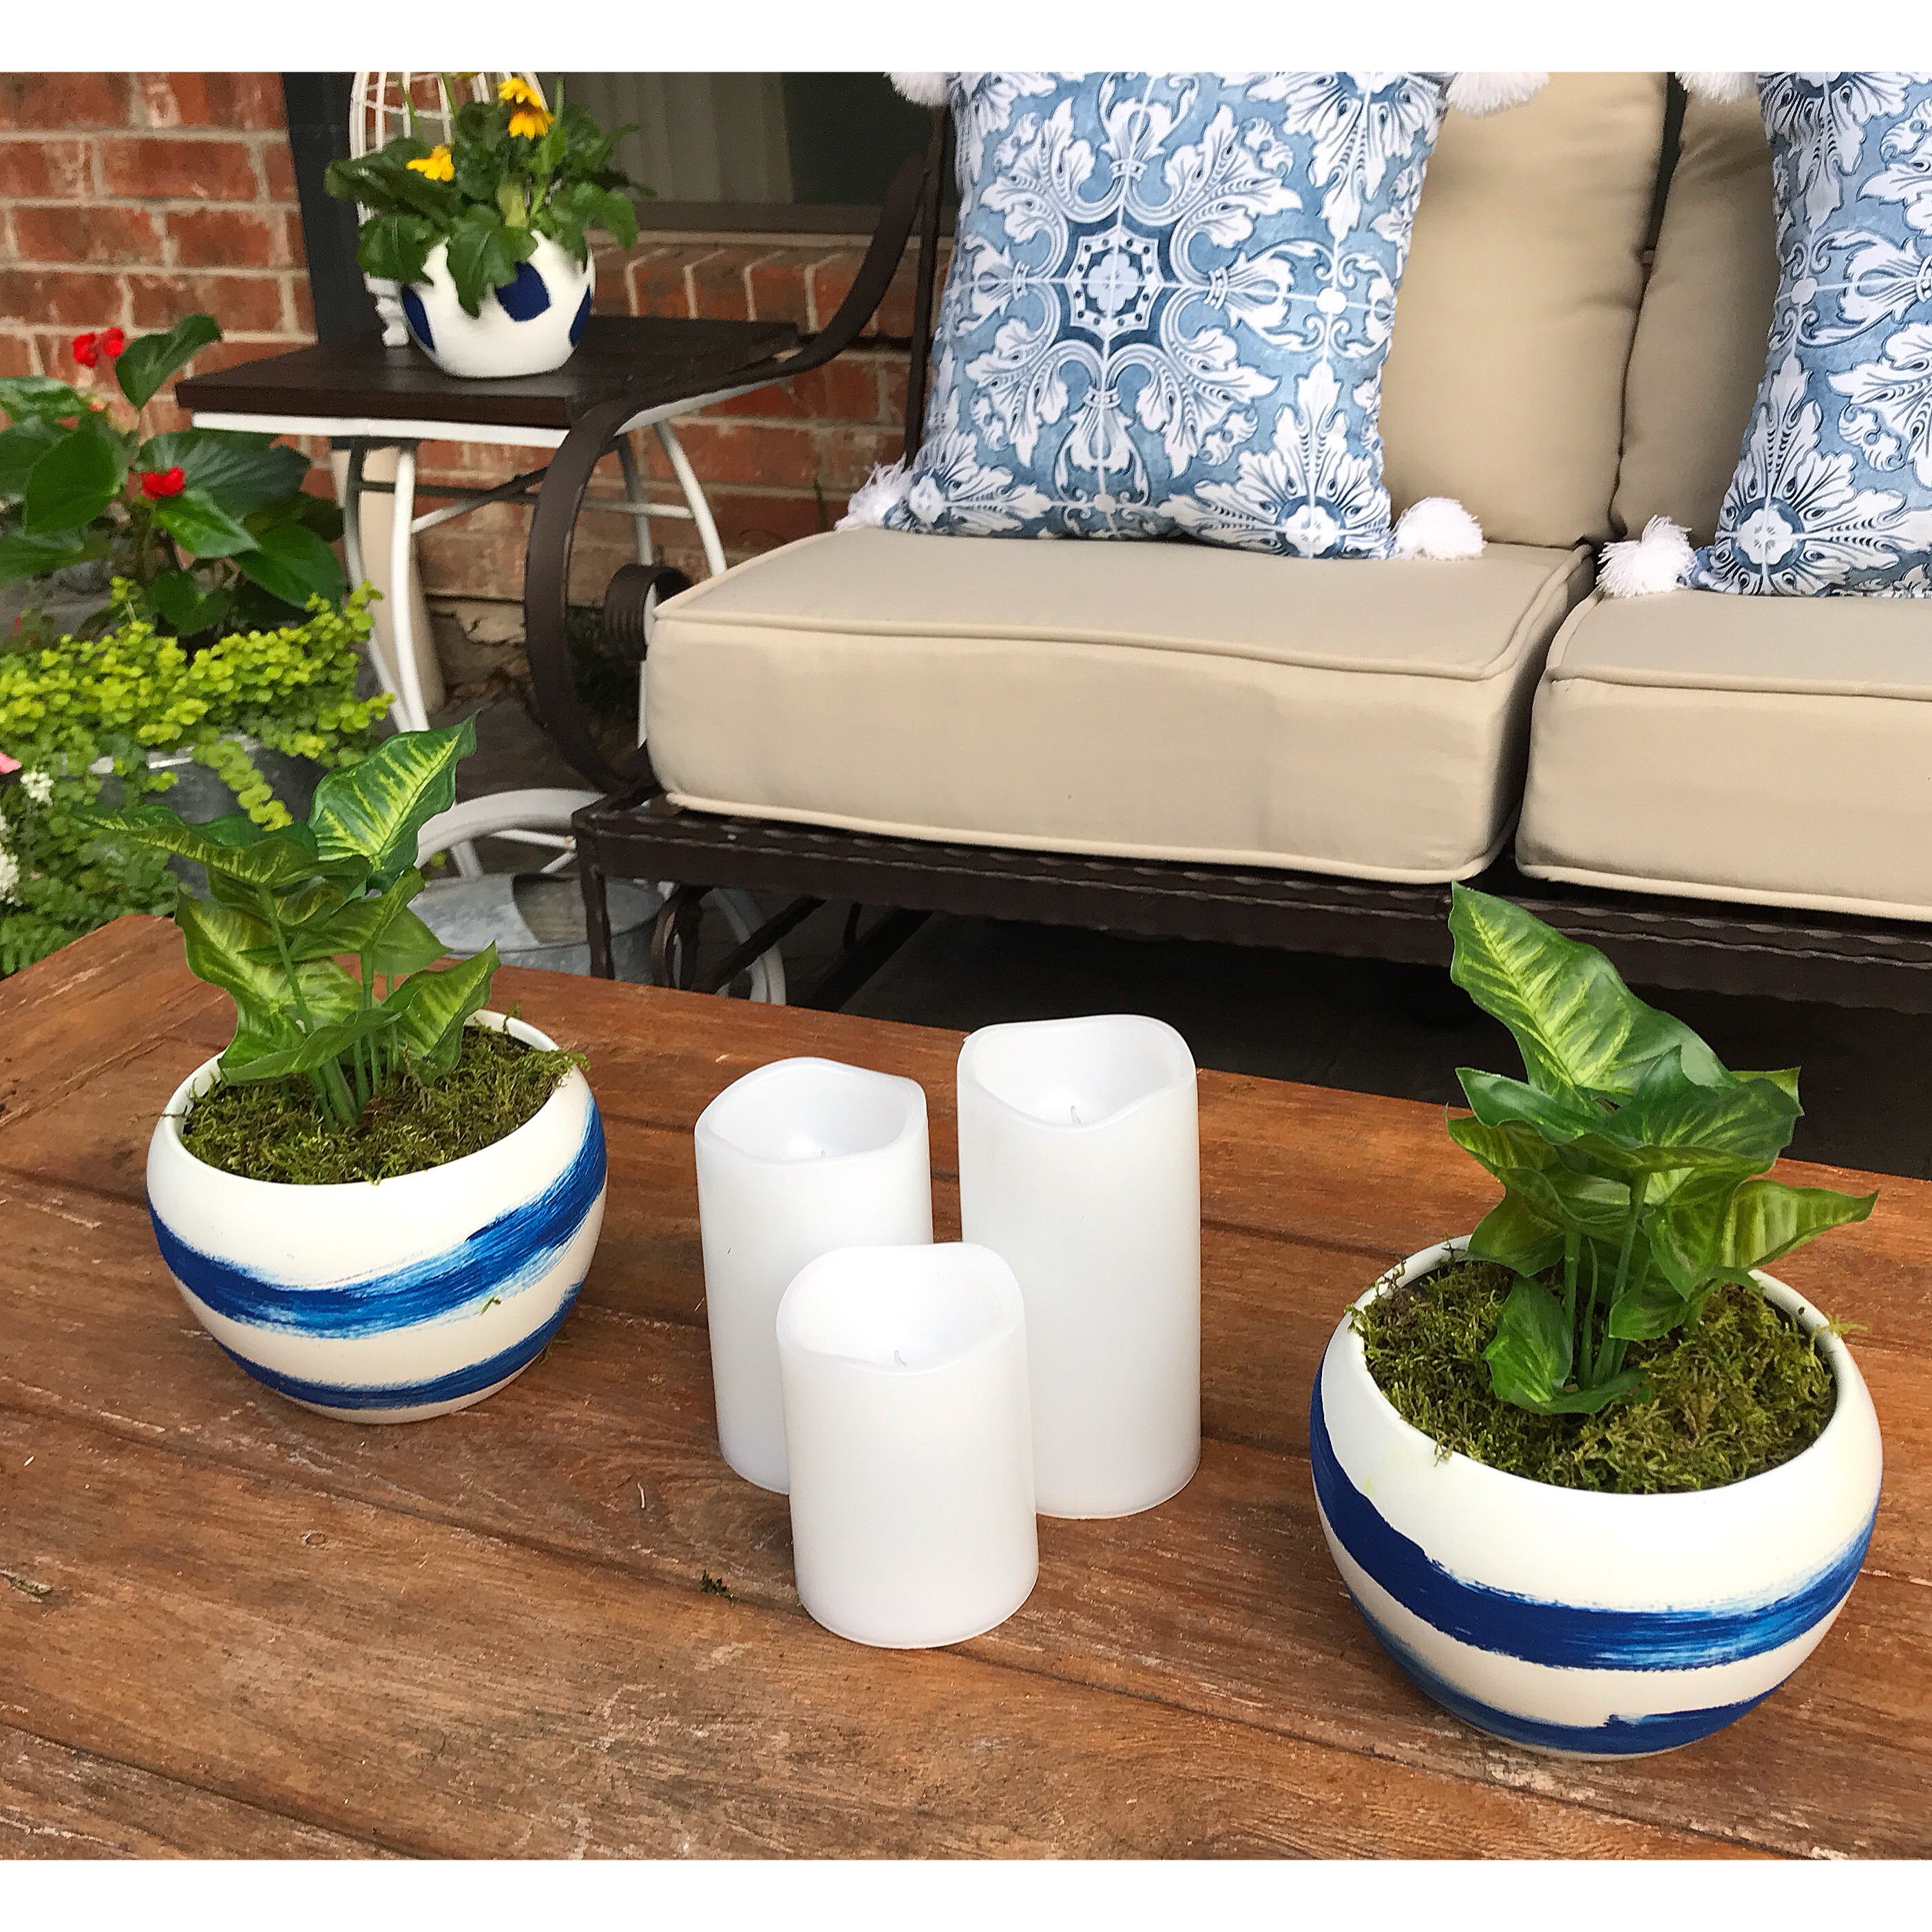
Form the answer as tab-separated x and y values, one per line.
1504	383
1158	700
1701	332
1775	750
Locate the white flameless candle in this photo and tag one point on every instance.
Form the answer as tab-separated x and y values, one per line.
907	1424
795	1159
1080	1165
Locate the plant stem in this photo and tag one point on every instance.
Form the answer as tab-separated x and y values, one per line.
1609	1354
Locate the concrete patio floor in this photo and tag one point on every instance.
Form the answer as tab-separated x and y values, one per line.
1365	1025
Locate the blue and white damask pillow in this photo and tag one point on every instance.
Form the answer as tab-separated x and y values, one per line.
1170	299
1833	491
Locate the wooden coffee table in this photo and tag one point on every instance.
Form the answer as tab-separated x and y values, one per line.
557	1623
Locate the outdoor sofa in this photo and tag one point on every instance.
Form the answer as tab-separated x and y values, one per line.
1173	738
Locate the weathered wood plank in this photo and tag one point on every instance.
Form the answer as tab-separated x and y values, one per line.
1223	1601
55	1803
441	1690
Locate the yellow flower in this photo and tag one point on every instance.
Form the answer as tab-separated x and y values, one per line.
438	166
532	123
531	119
519	93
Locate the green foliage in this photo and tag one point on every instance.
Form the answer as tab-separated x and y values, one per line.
287	903
75	703
1631	1158
553	177
1739	1394
231	545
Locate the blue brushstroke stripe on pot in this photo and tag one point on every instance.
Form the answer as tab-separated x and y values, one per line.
507	1253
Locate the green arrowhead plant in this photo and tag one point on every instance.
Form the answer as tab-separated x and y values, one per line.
210	528
288	904
1630	1157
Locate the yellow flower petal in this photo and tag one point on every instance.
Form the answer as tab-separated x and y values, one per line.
438	166
532	123
519	92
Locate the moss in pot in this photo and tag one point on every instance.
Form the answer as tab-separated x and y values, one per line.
381	1199
1597	1482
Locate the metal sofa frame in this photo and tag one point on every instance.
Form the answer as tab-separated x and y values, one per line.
635	832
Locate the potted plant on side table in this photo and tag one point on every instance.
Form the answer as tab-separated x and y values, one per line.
1596	1482
485	234
381	1199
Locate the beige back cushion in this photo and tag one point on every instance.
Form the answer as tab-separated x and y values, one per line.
1706	319
1504	386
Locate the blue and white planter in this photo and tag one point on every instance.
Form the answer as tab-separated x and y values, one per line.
1590	1625
396	1300
530	326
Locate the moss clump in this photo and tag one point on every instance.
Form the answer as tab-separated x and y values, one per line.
1739	1394
281	1130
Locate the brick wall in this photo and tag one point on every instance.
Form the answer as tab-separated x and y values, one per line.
135	198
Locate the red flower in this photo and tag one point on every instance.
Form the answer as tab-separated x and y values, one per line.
112	342
86	353
156	483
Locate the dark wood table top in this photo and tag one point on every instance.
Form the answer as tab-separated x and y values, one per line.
659	358
229	1627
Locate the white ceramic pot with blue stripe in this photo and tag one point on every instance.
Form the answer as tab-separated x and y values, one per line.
1593	1625
396	1300
528	326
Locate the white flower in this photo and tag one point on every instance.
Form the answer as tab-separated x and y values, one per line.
39	786
10	877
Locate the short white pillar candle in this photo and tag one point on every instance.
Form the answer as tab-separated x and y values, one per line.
909	1431
796	1159
1080	1164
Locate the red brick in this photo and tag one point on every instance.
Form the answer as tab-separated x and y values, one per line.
754	524
16	355
778	289
213	99
657	283
82	298
45	170
229	237
847	456
103	235
66	101
188	170
278	168
845	390
303	303
159	301
746	453
718	284
826	281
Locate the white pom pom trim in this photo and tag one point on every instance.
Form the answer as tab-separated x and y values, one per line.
1491	93
886	487
1439	527
922	90
1719	87
1647	565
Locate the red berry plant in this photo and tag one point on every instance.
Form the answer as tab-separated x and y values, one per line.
206	531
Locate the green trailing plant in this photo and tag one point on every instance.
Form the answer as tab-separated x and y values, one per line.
82	713
210	528
288	904
510	172
1634	1164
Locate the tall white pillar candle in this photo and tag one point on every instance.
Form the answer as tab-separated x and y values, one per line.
1080	1164
798	1158
909	1431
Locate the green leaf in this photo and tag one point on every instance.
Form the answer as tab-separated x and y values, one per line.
1742	1126
22	557
148	362
1513	1234
1768	1220
431	1008
274	862
1588	1401
484	253
188	607
1580	1027
225	946
385	183
74	481
1509	1145
1529	1359
1650	1309
1592	1204
290	561
240	472
309	1051
201	526
1499	1101
375	808
21	447
23	397
390	938
396	246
